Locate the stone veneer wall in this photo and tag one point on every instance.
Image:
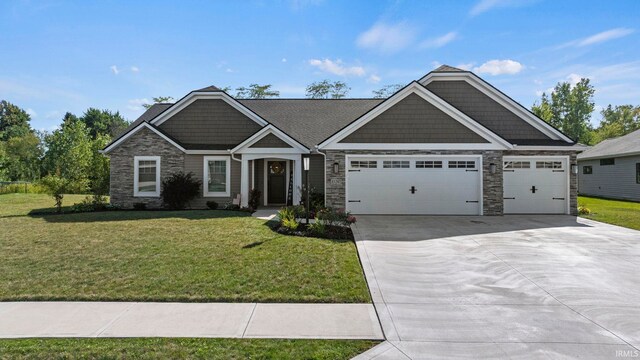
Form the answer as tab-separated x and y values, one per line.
492	183
143	143
573	178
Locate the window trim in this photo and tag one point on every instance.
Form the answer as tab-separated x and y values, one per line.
584	169
205	176
136	175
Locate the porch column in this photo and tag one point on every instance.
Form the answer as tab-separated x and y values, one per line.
297	179
244	182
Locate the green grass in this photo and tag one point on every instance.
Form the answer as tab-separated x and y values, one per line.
199	256
161	348
616	212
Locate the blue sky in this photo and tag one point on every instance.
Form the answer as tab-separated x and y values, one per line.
60	56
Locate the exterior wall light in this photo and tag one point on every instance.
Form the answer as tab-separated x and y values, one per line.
306	163
492	168
336	167
574	169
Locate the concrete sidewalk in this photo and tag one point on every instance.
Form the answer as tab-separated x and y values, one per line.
229	320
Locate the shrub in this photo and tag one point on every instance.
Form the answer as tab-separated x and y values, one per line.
287	216
57	186
254	198
212	205
94	202
179	189
316	200
333	217
231	206
26	188
317	228
583	210
139	206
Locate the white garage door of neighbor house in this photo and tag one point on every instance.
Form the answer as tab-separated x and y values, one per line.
535	185
414	185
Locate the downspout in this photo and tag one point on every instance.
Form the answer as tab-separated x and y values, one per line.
317	150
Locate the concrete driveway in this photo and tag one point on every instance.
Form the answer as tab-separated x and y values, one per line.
502	287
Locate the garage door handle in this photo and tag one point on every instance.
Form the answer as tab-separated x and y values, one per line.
558	170
354	200
472	201
472	170
354	170
558	198
509	198
509	170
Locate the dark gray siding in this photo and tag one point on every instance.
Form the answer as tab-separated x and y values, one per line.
270	141
195	165
210	122
485	110
316	173
413	120
613	181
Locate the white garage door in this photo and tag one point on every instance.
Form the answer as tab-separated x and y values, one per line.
535	185
414	185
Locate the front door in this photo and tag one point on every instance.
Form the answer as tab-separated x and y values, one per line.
276	182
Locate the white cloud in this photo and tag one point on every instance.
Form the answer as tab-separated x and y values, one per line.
387	38
499	67
229	70
31	113
135	69
486	5
284	59
54	114
467	66
114	69
337	67
574	78
136	104
439	41
605	36
374	79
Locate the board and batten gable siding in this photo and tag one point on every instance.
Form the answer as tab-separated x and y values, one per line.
195	165
143	143
485	110
270	141
616	181
413	120
210	122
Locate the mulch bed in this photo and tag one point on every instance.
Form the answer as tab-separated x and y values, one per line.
332	232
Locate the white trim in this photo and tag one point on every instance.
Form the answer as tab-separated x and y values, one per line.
135	130
198	95
136	175
297	173
481	85
245	146
495	142
535	157
597	157
477	156
574	148
207	152
205	176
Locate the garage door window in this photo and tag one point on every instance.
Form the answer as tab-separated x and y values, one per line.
637	173
428	164
587	170
462	164
517	165
548	164
395	164
364	164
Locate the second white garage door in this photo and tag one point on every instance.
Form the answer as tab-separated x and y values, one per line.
430	185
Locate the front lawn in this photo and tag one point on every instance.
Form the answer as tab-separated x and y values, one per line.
199	255
163	348
616	212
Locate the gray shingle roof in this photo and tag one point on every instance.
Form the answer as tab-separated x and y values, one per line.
624	145
447	68
310	121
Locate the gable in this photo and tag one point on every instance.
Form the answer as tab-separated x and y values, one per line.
480	107
270	141
413	120
209	122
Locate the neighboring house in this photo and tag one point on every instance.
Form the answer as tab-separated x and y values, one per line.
449	143
612	168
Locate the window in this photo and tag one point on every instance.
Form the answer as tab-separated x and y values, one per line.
637	173
428	164
146	178
395	164
462	164
364	164
517	165
217	176
587	170
609	161
548	164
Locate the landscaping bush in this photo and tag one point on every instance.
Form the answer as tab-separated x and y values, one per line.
316	200
179	189
583	210
25	188
57	186
287	216
95	202
139	206
317	228
212	205
254	198
335	217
